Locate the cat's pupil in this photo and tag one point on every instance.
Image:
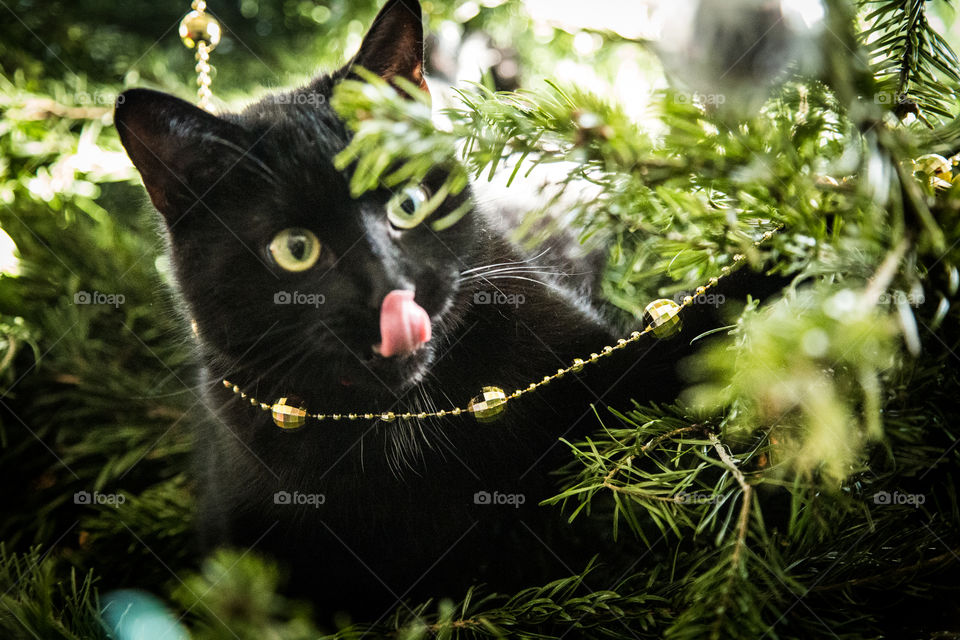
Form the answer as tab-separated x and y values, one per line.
298	245
408	205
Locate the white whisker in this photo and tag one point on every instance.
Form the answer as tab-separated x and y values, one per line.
505	264
509	277
511	272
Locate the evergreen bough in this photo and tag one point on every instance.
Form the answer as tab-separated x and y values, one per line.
804	486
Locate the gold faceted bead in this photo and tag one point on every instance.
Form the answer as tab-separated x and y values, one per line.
937	169
488	406
664	316
197	27
288	414
933	164
577	365
388	416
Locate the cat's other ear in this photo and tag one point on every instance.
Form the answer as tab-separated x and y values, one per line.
168	140
393	47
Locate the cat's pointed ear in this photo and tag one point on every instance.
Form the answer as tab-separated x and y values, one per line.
393	47
168	141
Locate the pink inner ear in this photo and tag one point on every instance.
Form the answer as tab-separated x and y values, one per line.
414	75
417	77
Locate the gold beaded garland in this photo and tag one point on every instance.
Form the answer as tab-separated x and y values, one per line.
287	414
198	27
200	30
664	317
488	406
663	321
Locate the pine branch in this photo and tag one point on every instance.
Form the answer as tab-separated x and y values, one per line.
767	494
912	62
889	576
35	603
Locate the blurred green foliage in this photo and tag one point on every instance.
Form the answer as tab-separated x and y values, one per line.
840	391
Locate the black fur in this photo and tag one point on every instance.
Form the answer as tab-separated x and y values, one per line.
399	518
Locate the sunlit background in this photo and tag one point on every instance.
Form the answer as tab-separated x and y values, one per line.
606	46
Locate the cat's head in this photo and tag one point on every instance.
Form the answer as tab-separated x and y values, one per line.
290	280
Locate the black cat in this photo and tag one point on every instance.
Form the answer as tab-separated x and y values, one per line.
298	289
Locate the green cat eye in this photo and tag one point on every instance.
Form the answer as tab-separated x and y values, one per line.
295	249
408	208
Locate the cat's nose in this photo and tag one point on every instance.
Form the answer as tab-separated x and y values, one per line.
376	281
378	293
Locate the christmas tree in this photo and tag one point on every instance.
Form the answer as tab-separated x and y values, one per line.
802	486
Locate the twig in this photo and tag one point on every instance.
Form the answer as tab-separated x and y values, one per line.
742	522
884	275
951	553
744	518
44	109
640	493
8	356
650	444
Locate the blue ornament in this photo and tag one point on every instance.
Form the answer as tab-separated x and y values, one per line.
131	614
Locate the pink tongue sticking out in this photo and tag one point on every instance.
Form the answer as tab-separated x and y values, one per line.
404	325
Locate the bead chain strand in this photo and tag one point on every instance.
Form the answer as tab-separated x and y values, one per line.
200	30
493	401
